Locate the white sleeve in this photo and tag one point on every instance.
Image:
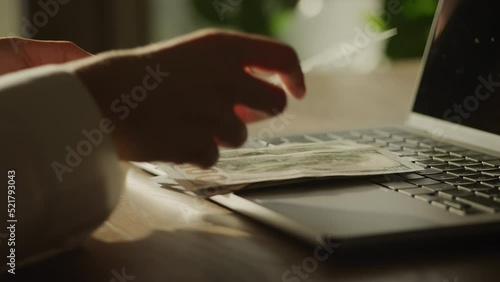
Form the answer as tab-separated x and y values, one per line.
67	174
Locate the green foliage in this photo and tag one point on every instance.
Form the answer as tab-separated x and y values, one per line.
413	24
268	17
265	17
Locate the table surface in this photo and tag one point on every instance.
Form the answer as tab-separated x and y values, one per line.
161	235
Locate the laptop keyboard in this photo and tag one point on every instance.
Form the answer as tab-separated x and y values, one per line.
456	179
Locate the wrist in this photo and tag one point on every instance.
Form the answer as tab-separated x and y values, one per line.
107	77
95	73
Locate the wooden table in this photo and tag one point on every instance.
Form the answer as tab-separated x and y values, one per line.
161	235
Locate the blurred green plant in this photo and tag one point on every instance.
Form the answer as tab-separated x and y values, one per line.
266	17
413	24
269	17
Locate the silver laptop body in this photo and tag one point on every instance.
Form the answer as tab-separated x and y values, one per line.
363	212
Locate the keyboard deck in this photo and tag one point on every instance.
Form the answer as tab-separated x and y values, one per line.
456	179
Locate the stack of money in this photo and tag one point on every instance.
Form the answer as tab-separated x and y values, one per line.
256	167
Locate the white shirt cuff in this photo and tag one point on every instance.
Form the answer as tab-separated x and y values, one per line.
68	176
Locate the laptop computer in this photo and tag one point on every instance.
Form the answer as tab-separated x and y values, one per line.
453	132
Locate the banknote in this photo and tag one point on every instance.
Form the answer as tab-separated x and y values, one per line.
241	167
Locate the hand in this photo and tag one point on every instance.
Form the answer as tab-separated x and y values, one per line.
175	101
19	53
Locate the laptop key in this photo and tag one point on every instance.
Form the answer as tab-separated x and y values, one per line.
443	176
368	137
382	132
480	177
375	144
492	183
480	167
449	158
434	154
481	203
457	211
450	148
439	204
430	142
456	204
466	153
492	193
429	171
385	144
447	167
440	187
459	181
493	162
413	140
462	172
427	145
482	158
451	194
388	140
403	144
399	185
404	153
495	173
428	198
424	181
464	212
418	158
464	162
415	147
474	187
415	137
403	135
428	163
392	148
416	191
420	150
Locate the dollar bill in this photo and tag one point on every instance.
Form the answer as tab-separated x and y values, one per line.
241	167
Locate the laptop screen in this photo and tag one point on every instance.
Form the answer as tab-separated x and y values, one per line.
461	78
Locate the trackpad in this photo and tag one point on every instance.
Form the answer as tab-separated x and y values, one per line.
348	208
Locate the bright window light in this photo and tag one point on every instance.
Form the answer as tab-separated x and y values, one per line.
311	8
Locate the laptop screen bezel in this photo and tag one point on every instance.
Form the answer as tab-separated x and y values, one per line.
440	129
